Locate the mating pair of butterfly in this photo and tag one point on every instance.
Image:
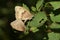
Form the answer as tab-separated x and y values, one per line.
21	14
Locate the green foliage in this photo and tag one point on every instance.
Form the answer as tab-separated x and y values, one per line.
25	6
55	25
41	17
37	20
54	36
38	28
33	8
39	4
55	18
55	4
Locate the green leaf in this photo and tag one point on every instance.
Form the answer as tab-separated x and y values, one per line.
34	29
33	8
55	18
25	6
39	4
54	36
55	4
38	20
40	16
55	25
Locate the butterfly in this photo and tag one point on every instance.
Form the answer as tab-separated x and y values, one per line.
18	25
21	14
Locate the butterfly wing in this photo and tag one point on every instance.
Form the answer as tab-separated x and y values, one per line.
22	13
18	12
18	25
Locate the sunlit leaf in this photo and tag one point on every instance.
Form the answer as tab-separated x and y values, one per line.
25	6
55	25
54	36
40	16
34	29
55	18
39	4
33	8
55	4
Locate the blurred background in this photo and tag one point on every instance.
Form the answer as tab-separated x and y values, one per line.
7	15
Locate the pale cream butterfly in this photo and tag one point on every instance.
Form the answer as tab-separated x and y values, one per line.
21	14
18	25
